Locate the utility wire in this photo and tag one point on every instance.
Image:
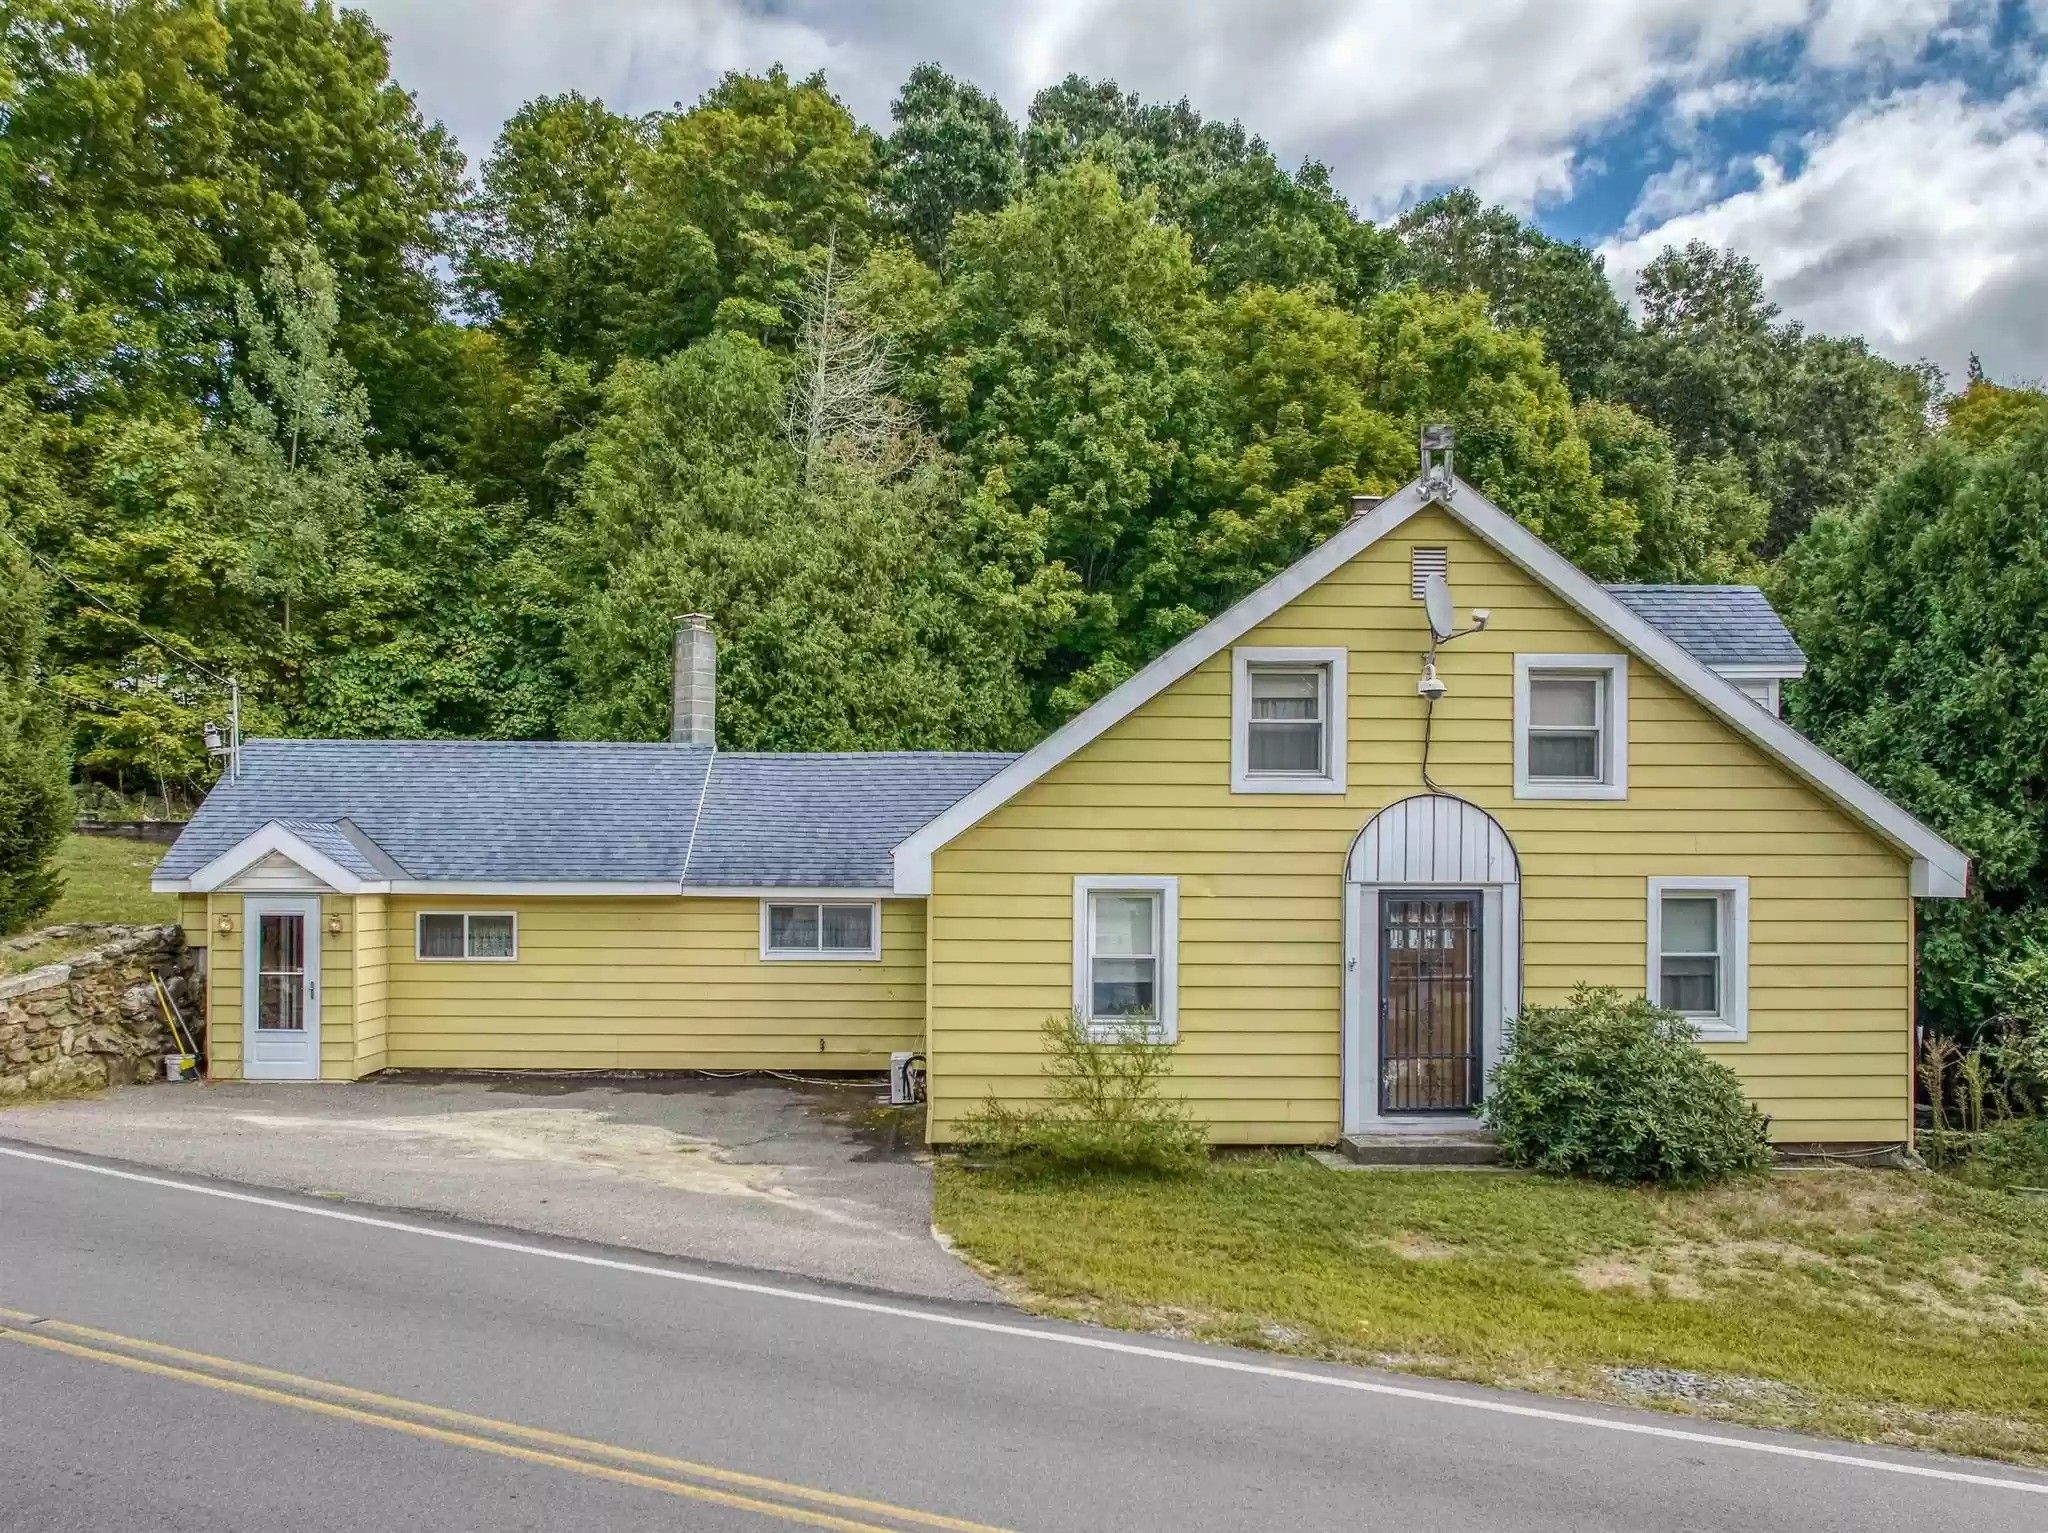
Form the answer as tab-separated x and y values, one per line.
160	640
75	702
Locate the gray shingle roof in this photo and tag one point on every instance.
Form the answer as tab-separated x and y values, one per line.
522	811
827	820
463	809
1717	625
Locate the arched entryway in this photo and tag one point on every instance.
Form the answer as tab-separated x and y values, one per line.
1432	961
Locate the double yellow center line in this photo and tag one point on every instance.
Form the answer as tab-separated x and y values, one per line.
483	1434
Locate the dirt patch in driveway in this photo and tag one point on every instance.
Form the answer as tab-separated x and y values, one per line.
808	1179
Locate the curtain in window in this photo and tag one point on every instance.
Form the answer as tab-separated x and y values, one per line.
1286	726
1126	964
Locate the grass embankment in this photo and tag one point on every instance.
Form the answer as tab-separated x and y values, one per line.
106	882
1885	1306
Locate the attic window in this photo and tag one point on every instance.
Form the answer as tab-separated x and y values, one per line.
1423	563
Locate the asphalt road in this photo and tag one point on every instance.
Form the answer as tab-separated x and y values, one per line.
222	1359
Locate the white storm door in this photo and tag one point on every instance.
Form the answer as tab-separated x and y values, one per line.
281	989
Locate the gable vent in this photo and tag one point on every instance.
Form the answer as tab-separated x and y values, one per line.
1423	563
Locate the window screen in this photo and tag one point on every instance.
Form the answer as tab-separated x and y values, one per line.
1287	721
1123	955
1565	728
821	929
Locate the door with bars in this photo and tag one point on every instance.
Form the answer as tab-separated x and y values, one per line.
1429	1055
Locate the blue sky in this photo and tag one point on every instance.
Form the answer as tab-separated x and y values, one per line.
1885	162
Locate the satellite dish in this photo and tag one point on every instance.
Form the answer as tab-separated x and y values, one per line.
1436	602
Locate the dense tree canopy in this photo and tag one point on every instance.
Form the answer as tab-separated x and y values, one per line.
1081	381
1925	621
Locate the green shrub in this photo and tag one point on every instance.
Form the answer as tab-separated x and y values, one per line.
1618	1089
1106	1108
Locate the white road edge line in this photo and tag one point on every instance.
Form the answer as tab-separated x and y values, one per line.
1060	1338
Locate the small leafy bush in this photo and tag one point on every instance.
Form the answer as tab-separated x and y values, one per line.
1106	1108
1617	1089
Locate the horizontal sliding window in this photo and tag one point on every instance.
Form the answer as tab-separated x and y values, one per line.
459	934
821	929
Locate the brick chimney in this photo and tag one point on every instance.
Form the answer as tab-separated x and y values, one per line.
693	719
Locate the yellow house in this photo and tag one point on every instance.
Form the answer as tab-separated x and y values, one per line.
1327	847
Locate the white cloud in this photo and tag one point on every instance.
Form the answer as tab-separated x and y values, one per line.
1679	188
1396	95
1919	221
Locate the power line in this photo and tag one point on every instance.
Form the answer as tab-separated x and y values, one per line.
86	703
161	640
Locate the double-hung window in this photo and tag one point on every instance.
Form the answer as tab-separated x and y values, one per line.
1287	720
491	936
821	929
1699	953
1571	726
1126	952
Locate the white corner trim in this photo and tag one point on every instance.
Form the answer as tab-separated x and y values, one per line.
419	922
1166	1025
1732	1025
1335	660
1613	728
253	848
1940	870
872	953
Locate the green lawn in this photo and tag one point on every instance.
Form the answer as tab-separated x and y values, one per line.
106	882
1886	1306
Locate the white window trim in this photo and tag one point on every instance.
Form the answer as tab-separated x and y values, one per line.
419	922
872	953
1732	1026
1165	1026
1335	777
1614	783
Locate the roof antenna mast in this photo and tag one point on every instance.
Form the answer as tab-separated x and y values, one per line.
1437	441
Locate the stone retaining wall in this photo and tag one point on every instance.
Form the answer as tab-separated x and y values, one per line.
160	832
93	1019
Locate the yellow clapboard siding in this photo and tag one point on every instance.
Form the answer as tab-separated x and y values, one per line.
647	983
1260	1008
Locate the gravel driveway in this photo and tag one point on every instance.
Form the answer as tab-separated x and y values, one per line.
752	1172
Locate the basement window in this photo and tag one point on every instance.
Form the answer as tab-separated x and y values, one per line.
483	936
840	930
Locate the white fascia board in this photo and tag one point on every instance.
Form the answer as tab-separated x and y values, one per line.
523	886
205	880
786	892
913	854
257	845
1940	870
1759	672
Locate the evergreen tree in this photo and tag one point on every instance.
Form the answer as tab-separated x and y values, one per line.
35	802
1925	622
